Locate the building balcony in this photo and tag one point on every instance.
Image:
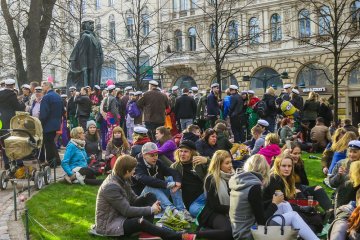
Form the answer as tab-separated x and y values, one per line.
178	59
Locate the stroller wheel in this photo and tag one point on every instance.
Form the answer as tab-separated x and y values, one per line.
3	180
47	175
38	180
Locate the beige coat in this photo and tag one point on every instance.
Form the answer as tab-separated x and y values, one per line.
113	206
321	135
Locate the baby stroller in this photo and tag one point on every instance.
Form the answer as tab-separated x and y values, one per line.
23	141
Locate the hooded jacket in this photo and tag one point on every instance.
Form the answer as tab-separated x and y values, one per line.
242	215
270	151
8	105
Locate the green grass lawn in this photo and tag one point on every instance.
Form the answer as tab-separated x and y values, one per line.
68	211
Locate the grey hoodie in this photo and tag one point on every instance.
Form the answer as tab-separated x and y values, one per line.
241	215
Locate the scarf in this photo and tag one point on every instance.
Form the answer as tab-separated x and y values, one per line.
141	141
223	193
78	143
117	142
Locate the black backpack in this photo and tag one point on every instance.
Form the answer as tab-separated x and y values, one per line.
261	108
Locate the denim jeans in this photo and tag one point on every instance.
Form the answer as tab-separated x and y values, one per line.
184	123
197	205
163	196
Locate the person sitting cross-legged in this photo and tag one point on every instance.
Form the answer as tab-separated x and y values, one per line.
120	212
151	175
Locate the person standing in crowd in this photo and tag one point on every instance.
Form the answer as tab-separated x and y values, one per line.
226	104
153	104
51	112
9	104
235	111
111	110
71	108
253	116
325	111
83	107
285	94
123	103
320	135
133	114
201	111
96	96
25	97
35	108
311	110
185	109
196	94
271	111
349	127
213	108
296	100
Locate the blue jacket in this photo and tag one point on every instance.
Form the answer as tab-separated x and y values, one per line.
213	108
227	101
51	111
74	157
336	158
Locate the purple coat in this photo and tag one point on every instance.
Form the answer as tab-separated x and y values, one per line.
168	149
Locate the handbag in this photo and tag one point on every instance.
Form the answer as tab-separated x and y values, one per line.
281	232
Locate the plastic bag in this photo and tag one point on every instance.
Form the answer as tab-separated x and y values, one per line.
173	221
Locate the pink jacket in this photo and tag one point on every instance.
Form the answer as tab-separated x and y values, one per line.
270	151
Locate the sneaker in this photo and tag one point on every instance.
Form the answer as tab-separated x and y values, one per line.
188	236
188	216
148	236
67	179
80	178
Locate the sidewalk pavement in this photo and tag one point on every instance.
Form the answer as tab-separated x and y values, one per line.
9	228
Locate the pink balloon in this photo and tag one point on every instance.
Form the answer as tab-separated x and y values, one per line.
50	79
110	82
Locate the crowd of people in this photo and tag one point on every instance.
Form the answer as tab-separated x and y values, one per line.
230	164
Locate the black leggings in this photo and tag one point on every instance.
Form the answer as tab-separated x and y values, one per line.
220	228
135	225
90	177
319	195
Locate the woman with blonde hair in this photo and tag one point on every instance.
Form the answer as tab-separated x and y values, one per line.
117	146
271	148
328	153
246	202
340	148
75	161
215	214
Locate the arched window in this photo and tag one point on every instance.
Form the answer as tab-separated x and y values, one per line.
97	4
178	40
183	5
354	77
111	3
227	79
324	20
112	33
146	24
185	82
275	22
304	24
98	27
313	75
234	33
175	5
264	78
254	30
355	14
108	71
212	39
129	26
192	39
83	7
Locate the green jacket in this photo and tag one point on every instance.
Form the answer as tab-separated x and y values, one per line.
201	107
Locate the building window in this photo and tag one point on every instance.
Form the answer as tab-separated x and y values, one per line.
71	7
83	6
212	36
234	33
194	4
53	43
71	34
354	77
183	5
144	68
264	78
146	24
108	71
275	22
111	3
227	79
304	24
185	82
129	27
175	5
98	27
112	33
192	39
254	30
324	21
313	75
97	4
355	14
178	41
53	74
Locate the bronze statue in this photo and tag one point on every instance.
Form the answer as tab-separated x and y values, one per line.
86	59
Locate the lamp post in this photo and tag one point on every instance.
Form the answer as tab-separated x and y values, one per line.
266	78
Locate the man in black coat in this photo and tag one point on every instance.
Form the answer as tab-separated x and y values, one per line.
150	176
235	111
83	109
271	110
185	109
9	104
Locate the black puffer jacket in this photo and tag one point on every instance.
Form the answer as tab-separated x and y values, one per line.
270	104
83	106
8	105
